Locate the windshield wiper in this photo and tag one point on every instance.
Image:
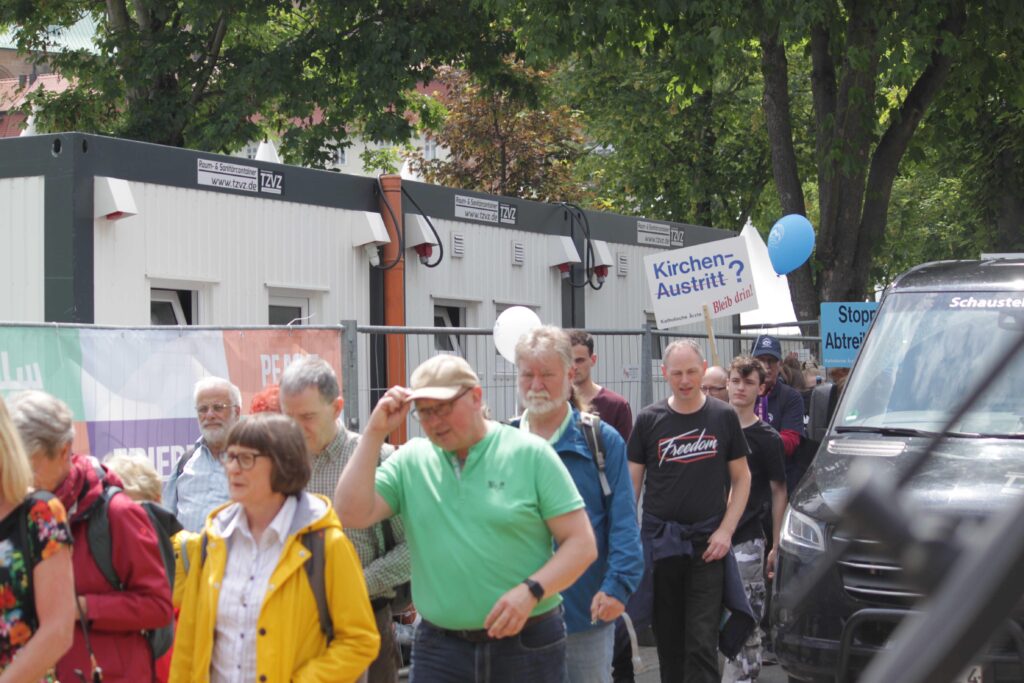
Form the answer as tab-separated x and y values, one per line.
990	435
884	431
905	431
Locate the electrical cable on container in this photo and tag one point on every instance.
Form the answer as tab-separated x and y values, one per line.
430	223
394	221
588	251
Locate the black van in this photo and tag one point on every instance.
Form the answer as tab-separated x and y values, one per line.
938	330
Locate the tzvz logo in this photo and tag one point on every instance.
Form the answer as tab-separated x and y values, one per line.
271	182
507	213
678	237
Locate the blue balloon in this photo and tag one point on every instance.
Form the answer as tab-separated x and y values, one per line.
790	243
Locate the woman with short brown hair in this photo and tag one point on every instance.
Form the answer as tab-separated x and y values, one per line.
247	583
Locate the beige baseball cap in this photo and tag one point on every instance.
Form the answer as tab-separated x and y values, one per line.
441	378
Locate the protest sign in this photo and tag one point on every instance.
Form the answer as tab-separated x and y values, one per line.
683	281
843	326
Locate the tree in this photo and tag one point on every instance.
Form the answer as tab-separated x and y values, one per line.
871	70
499	143
213	75
659	151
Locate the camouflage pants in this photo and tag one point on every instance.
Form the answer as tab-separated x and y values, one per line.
747	665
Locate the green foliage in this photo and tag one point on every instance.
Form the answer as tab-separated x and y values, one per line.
214	75
657	148
387	160
928	221
498	143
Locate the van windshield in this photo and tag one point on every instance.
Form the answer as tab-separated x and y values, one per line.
926	352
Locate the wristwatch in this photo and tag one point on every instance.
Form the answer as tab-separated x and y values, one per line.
536	589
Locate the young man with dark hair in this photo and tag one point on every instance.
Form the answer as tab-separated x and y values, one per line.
612	407
767	492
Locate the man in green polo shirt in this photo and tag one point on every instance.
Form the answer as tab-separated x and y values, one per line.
482	503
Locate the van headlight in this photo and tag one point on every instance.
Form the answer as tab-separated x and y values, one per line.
801	531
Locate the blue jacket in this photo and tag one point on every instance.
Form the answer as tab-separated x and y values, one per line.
620	561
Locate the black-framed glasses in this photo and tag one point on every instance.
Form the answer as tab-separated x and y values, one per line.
707	387
212	407
245	459
441	410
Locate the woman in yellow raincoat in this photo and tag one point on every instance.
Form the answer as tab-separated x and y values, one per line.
249	610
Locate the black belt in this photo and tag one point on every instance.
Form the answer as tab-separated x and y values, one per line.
480	635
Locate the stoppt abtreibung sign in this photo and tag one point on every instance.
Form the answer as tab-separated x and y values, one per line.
843	327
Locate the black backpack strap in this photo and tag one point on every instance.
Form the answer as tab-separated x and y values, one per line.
98	531
590	425
183	460
316	572
203	542
183	549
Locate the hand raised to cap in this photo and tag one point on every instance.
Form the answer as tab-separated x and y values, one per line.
391	410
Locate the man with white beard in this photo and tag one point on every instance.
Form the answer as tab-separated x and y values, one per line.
198	483
544	359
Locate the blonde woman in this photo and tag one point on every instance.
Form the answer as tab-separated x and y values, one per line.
141	481
37	596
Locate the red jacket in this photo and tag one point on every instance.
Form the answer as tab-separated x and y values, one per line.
115	617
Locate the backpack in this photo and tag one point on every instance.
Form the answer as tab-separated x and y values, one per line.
183	460
403	591
590	425
164	524
315	572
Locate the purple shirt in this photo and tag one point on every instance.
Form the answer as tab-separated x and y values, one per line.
615	410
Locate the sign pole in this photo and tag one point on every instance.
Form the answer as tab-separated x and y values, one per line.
711	336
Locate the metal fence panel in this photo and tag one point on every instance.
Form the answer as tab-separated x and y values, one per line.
628	362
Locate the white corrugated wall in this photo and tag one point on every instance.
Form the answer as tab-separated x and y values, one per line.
21	249
482	282
235	251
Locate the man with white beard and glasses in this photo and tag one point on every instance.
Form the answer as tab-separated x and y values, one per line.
198	483
544	359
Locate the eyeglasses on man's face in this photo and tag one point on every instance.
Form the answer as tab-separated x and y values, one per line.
245	458
219	408
441	410
708	387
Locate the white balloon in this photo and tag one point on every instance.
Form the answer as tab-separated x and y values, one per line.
512	324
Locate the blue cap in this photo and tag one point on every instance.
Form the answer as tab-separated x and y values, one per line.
766	345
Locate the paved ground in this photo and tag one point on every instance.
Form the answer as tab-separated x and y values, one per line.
769	674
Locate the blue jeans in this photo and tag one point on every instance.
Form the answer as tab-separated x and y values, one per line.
536	655
588	655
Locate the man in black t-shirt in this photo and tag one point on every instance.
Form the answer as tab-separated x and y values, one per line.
690	450
767	491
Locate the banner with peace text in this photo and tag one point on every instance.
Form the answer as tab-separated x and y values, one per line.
131	390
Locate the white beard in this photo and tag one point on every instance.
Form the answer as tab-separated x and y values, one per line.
540	402
215	435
